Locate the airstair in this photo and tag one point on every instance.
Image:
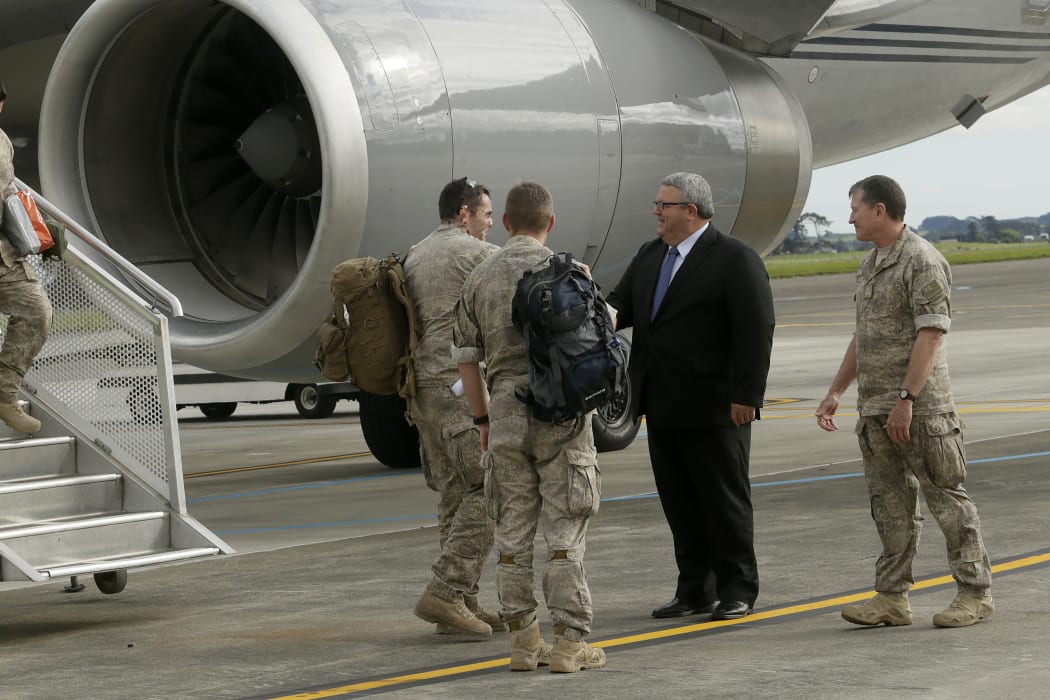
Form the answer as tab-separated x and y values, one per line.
99	490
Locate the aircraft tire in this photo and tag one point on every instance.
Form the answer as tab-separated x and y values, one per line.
218	411
614	427
144	404
310	403
388	435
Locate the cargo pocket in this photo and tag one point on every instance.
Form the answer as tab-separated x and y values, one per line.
585	483
491	488
862	438
945	457
432	483
465	443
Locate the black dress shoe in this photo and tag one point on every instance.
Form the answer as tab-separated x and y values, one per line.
681	608
731	610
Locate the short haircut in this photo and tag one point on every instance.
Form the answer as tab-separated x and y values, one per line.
879	189
529	207
695	190
458	193
3	92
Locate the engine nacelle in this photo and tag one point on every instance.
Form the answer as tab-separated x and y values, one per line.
237	151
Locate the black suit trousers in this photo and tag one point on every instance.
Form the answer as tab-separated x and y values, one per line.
702	478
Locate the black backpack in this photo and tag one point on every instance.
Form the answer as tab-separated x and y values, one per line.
575	359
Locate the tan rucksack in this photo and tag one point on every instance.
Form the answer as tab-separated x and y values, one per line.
371	334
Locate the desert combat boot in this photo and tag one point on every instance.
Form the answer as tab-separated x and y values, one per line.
452	614
889	609
528	650
571	655
492	619
14	416
967	609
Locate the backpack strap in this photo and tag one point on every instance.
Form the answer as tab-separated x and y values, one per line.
396	278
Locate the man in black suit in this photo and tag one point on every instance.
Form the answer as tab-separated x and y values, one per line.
702	312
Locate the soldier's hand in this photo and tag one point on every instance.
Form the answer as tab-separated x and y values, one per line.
826	413
584	266
484	429
898	425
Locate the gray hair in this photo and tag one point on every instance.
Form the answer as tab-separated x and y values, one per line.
695	190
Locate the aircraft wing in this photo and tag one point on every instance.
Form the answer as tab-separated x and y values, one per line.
774	27
31	32
27	20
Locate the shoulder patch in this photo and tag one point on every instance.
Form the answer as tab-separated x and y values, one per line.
934	291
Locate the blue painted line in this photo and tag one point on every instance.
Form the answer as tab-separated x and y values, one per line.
431	517
806	480
1008	458
299	487
310	526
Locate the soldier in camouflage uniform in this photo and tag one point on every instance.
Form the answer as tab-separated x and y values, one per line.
23	301
538	474
910	436
450	445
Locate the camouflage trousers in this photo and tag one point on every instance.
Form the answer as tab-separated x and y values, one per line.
450	451
934	461
542	475
24	302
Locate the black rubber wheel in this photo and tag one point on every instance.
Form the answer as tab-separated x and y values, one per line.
144	405
309	402
110	582
614	427
391	439
218	411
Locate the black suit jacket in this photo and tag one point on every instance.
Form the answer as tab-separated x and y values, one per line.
710	342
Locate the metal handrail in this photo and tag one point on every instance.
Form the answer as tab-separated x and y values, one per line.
99	246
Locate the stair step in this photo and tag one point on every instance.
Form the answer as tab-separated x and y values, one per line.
51	498
7	433
59	541
117	563
36	457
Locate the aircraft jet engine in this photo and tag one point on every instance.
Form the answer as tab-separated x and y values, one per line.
237	151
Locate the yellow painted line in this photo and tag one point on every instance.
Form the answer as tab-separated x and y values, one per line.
239	424
978	403
779	410
834	602
1003	306
796	415
1034	409
816	325
312	460
780	402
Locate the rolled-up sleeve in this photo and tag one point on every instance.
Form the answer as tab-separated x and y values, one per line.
931	303
466	336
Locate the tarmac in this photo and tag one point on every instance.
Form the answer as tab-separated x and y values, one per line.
320	607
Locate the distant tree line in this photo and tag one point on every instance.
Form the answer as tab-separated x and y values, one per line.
984	229
811	233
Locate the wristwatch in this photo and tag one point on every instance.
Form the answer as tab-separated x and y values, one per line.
481	420
906	395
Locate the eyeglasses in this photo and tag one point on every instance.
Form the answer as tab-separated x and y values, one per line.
661	206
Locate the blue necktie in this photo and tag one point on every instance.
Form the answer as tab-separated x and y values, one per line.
666	270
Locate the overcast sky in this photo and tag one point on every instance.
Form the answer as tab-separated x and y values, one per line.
1000	167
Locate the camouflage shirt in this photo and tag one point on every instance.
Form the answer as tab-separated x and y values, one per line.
435	271
7	188
484	330
905	292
